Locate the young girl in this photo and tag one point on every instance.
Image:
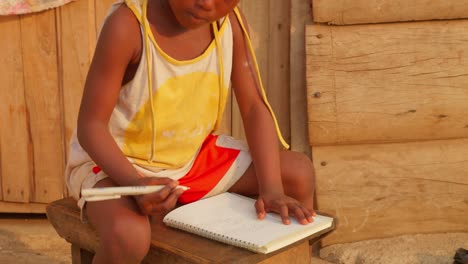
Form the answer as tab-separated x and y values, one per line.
153	101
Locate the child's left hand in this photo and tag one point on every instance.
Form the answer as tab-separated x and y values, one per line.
284	206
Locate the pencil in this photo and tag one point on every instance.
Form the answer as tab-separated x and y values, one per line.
124	190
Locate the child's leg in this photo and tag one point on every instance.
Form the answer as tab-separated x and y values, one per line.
124	233
297	174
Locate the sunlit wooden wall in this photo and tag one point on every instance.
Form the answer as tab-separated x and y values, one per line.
44	58
388	101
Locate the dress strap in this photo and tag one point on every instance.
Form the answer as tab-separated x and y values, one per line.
146	39
222	93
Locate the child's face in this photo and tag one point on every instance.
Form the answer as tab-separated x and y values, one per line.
194	13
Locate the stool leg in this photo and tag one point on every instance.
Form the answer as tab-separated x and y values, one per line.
81	256
298	254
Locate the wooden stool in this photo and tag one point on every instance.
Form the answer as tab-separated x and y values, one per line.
168	245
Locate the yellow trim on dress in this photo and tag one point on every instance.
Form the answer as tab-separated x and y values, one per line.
205	53
194	60
146	29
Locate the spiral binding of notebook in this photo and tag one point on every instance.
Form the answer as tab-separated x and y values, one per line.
211	235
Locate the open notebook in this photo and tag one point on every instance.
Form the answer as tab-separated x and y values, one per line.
231	219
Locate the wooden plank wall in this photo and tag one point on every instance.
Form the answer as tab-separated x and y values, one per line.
348	12
384	190
44	62
15	140
388	82
387	117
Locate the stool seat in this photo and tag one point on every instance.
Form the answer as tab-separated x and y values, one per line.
168	245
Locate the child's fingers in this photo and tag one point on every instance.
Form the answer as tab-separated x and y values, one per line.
162	194
169	203
260	208
148	202
145	207
300	215
309	215
284	213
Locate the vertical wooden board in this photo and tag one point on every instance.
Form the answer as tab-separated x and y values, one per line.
278	88
101	7
301	14
77	41
14	130
393	82
346	12
1	189
22	208
297	254
385	190
39	48
320	79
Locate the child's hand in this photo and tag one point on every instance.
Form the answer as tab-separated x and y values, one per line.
284	206
159	202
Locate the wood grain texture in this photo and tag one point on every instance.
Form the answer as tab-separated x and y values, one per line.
301	14
16	158
42	96
297	255
346	12
384	190
278	85
20	207
320	78
387	82
77	41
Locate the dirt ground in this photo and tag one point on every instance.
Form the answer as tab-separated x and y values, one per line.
30	239
408	249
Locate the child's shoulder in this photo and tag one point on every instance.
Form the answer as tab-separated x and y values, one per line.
119	40
236	18
121	27
122	21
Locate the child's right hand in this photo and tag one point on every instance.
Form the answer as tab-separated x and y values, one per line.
160	202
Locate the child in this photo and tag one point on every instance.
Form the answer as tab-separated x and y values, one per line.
153	100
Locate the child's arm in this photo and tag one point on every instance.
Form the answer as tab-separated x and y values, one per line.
119	45
260	133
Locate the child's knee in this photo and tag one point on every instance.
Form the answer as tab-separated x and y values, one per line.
300	173
304	169
127	240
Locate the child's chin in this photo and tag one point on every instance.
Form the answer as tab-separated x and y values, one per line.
192	22
193	25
